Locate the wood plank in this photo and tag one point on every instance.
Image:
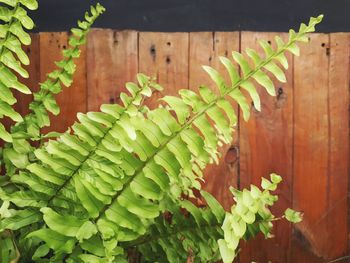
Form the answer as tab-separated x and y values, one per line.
73	99
205	49
112	60
201	53
164	56
311	150
338	176
266	143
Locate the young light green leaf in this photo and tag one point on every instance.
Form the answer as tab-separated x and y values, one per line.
216	77
293	216
227	254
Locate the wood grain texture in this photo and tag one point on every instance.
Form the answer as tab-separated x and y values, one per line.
73	99
201	53
165	57
338	176
112	60
266	143
325	188
205	49
302	134
312	140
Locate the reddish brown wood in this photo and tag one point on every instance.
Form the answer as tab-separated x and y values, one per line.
112	61
73	99
165	57
201	53
266	143
301	134
338	176
205	49
322	149
312	140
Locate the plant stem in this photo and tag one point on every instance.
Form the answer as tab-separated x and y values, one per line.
194	117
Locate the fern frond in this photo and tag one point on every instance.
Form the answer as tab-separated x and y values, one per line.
16	154
188	231
185	149
207	234
107	183
182	233
15	21
248	216
91	162
44	100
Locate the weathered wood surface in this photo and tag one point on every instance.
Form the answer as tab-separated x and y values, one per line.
73	99
112	60
302	134
164	56
266	146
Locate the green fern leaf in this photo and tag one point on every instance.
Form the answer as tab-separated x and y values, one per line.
12	35
131	163
44	101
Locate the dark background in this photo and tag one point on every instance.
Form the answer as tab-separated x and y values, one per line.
196	15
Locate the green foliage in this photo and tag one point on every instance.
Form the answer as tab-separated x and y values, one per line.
190	231
293	216
44	101
18	153
12	35
248	216
208	233
104	186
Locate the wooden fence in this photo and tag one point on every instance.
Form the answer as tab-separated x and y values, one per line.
302	134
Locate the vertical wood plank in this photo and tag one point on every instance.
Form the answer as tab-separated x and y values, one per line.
51	46
164	56
338	176
73	99
205	49
201	53
112	60
311	149
323	193
266	142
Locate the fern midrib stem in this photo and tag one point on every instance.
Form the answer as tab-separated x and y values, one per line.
92	152
189	123
45	91
149	238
